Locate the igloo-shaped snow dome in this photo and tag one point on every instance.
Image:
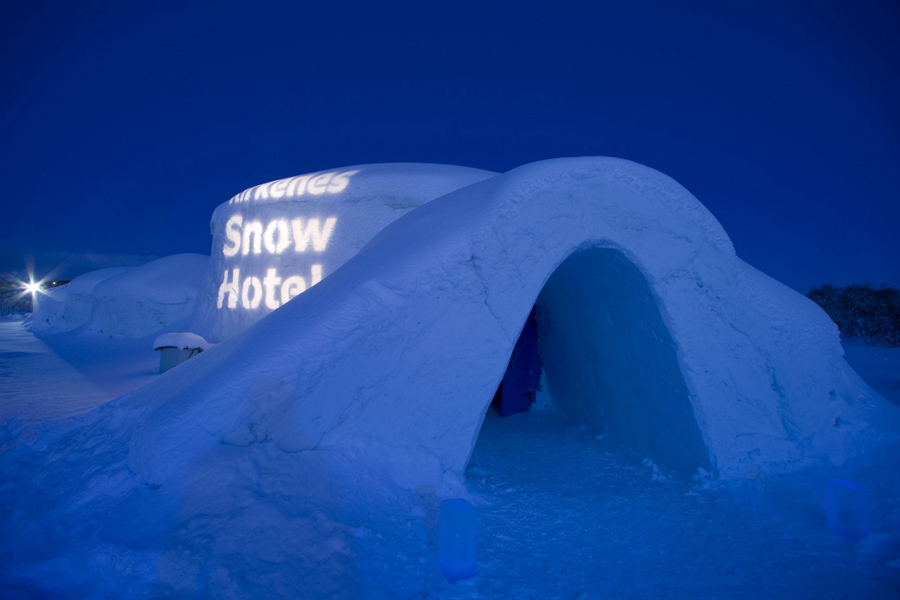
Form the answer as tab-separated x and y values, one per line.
649	328
273	241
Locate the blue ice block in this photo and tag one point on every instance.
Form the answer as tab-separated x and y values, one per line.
456	540
848	507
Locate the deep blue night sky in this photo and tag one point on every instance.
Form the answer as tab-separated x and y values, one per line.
124	127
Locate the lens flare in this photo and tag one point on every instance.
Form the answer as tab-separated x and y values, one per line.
34	287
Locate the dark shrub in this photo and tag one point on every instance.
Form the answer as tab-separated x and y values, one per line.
861	311
13	299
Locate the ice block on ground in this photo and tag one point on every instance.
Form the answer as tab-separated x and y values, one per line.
456	540
848	508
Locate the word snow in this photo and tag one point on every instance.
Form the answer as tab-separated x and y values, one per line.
277	236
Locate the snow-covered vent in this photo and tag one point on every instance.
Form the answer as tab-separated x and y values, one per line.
175	348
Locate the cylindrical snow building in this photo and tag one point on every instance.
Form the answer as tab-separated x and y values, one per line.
273	241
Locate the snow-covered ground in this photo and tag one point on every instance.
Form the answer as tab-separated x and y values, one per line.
562	514
114	363
35	383
565	515
878	366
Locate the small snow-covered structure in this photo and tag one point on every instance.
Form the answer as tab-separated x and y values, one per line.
175	348
650	328
273	241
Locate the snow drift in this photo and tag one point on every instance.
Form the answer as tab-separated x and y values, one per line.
145	299
650	328
49	310
128	301
273	241
69	306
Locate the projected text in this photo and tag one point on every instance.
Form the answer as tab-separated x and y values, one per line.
272	289
277	236
293	187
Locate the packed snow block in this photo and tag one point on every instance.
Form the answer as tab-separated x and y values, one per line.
175	348
457	538
848	508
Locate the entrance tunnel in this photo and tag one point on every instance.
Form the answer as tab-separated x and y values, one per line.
608	360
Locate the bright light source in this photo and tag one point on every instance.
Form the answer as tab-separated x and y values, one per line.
32	287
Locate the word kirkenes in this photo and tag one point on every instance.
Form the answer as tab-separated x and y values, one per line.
273	290
277	236
316	185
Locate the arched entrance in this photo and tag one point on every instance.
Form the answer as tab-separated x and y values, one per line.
609	360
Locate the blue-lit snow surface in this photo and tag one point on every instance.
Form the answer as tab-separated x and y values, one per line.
561	515
306	456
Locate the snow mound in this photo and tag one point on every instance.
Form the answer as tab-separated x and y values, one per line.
49	310
143	300
696	359
79	297
275	240
127	301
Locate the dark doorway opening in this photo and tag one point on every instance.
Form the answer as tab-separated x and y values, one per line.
597	347
518	390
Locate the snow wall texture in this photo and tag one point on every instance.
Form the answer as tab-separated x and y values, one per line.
273	241
653	330
79	297
126	301
145	299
